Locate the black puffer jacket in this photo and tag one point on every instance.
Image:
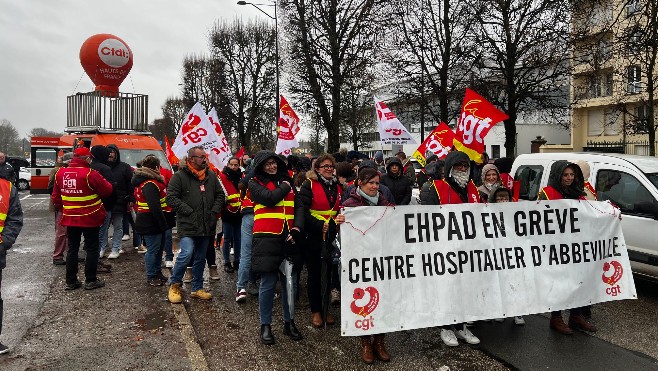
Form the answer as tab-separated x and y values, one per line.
311	226
399	184
123	174
269	250
431	197
99	163
434	171
196	211
155	221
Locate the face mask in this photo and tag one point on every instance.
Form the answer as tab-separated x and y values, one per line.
460	177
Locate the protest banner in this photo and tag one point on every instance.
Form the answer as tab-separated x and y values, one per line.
197	130
222	149
408	267
439	142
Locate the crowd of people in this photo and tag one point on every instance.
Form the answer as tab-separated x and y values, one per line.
271	212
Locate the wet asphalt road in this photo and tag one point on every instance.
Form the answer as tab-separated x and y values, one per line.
130	326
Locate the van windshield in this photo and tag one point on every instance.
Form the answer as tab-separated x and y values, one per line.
132	156
653	178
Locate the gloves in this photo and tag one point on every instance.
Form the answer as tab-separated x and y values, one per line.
296	235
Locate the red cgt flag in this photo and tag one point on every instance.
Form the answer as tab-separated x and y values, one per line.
439	142
477	118
240	153
171	157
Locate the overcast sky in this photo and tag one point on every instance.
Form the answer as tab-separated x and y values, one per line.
40	44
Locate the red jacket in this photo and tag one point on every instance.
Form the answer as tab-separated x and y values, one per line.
77	192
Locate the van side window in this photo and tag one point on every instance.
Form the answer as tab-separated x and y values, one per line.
623	190
530	178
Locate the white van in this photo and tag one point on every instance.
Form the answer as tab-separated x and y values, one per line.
628	181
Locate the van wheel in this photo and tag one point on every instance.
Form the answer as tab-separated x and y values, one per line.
22	184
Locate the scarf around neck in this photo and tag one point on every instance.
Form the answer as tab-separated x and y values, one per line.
372	200
201	174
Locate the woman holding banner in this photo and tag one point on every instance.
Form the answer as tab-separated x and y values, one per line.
490	181
566	181
367	194
456	188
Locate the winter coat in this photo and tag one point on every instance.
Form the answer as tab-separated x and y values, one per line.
484	191
269	250
408	169
155	221
311	226
227	216
430	197
13	226
99	163
355	199
7	172
399	185
573	192
196	211
123	173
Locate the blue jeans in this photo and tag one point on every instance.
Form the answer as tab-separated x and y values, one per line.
244	270
231	237
117	222
168	246
129	223
189	246
153	257
266	296
102	234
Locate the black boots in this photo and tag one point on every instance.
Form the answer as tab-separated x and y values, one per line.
290	330
266	336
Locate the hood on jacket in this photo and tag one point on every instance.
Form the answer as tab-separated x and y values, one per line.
504	164
262	156
434	170
555	177
394	161
492	195
143	174
453	158
100	153
584	168
312	175
367	163
485	170
115	149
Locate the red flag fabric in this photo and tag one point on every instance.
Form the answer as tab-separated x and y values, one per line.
287	128
240	153
439	142
477	118
171	157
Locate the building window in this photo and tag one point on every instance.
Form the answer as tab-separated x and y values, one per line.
611	126
594	123
634	41
495	151
640	120
634	80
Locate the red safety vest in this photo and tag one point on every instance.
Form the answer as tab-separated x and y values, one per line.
232	195
271	219
247	203
143	206
320	208
553	194
79	201
447	195
5	194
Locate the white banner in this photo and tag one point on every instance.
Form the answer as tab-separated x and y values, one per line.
196	130
391	130
287	128
223	150
408	267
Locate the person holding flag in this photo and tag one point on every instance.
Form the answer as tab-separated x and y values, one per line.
287	128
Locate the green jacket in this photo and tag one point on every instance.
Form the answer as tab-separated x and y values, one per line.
196	210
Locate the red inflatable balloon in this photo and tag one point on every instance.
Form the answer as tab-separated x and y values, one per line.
107	60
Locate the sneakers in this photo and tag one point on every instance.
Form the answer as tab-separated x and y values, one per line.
252	288
241	296
466	335
228	268
169	264
3	349
155	281
162	278
74	285
103	268
335	297
449	338
125	237
58	261
94	284
113	255
201	294
187	277
175	296
213	273
141	249
518	320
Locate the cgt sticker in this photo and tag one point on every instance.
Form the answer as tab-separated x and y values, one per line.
364	311
612	279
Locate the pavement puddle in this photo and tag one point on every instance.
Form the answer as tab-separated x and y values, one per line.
152	321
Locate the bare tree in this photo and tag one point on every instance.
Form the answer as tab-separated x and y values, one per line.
525	58
331	43
246	51
10	142
41	132
174	110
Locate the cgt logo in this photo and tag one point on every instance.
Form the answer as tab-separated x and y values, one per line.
611	280
364	310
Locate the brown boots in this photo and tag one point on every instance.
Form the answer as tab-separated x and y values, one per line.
578	321
316	319
557	324
374	347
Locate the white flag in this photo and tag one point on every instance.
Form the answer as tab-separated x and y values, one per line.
224	150
391	130
196	130
287	128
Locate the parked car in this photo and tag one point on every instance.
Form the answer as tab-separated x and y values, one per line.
629	182
24	179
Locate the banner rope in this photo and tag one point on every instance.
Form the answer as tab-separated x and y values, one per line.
615	209
363	233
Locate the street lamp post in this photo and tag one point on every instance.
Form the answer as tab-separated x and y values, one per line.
276	47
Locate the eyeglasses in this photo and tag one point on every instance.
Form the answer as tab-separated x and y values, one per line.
327	167
201	157
270	163
462	165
